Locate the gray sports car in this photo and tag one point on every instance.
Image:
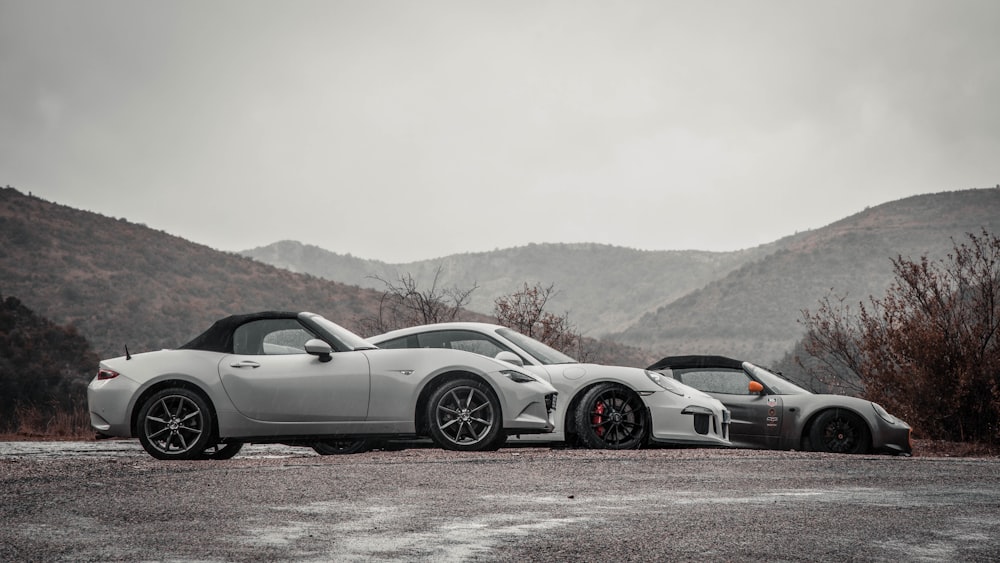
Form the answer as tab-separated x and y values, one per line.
298	378
769	411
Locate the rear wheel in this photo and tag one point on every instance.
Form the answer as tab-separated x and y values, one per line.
464	414
840	432
611	417
175	424
343	446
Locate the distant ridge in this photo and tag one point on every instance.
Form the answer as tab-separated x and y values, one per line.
753	312
744	303
121	283
604	288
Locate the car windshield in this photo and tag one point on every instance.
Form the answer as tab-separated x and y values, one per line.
544	354
778	385
348	338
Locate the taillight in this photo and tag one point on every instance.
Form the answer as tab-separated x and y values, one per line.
106	374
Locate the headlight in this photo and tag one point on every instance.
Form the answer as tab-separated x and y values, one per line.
883	414
665	382
518	377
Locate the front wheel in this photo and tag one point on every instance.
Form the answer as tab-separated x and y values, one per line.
464	414
175	424
839	432
343	447
611	417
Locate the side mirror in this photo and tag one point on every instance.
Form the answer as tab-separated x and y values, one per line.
755	387
510	358
317	347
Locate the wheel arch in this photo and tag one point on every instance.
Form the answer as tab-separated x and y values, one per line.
569	424
804	442
420	412
169	384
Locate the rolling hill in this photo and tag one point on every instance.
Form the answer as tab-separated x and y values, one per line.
753	312
745	303
120	283
604	288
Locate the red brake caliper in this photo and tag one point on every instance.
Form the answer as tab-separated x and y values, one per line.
597	419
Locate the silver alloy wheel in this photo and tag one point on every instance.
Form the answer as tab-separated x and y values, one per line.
465	415
174	424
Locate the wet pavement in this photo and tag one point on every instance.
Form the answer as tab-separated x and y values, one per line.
110	501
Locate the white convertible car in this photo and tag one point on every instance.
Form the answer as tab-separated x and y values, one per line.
298	378
599	406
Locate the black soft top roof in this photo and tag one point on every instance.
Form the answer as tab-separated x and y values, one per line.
688	362
219	336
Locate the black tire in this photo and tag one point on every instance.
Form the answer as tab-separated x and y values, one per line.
343	446
464	415
840	432
223	450
496	444
611	417
175	424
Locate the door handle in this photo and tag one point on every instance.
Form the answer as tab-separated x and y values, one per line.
245	364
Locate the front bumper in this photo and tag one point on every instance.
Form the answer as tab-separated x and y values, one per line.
536	417
687	421
893	439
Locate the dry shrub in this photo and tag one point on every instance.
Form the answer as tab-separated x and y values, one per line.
34	422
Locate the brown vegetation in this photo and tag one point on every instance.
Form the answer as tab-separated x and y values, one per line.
36	423
929	350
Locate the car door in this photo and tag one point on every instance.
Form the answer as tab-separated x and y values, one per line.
271	378
756	417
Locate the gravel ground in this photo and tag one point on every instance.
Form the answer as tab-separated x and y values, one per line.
109	501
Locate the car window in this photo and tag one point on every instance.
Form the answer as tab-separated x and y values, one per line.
462	340
715	380
271	337
467	340
403	342
543	353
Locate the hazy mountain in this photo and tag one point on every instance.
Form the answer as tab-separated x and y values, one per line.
744	303
121	283
604	288
753	312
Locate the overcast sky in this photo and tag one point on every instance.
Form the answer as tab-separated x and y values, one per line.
408	130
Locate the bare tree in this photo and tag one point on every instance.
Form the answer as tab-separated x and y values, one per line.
833	356
929	349
404	304
524	311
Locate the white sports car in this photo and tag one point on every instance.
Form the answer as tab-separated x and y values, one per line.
599	406
298	378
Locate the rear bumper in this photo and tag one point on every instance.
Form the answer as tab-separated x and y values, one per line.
108	402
